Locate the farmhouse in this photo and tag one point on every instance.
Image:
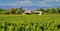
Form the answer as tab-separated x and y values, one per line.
38	12
27	11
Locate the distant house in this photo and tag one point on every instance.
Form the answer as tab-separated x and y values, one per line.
39	12
27	11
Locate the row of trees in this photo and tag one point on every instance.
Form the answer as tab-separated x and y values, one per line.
50	10
11	11
19	10
16	10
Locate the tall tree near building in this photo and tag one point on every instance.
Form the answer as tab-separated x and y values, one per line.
12	10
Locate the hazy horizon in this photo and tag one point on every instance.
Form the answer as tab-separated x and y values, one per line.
29	7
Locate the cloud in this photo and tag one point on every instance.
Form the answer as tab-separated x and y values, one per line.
41	3
52	0
28	2
18	3
49	0
22	3
31	3
57	0
8	5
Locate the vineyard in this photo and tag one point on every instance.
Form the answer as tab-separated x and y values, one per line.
30	22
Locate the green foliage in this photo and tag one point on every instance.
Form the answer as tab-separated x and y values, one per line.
40	9
19	10
50	10
3	11
30	22
16	11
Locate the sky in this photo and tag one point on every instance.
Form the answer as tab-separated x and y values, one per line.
29	3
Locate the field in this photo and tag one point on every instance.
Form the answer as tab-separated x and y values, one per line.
30	22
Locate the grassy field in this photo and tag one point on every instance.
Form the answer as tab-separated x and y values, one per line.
30	22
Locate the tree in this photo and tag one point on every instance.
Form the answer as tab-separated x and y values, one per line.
1	9
58	10
19	10
40	9
12	10
53	10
